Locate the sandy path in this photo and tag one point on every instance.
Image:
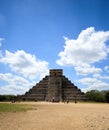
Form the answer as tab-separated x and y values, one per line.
58	116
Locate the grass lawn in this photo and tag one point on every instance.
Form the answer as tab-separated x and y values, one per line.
16	107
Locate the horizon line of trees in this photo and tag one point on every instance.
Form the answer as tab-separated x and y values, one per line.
7	98
98	96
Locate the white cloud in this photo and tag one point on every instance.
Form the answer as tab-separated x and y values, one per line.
13	79
11	89
26	70
14	84
93	84
87	49
98	76
106	68
87	69
26	64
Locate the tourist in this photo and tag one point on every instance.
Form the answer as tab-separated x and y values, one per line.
53	99
67	101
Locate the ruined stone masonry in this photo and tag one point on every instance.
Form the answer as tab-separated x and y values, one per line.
54	86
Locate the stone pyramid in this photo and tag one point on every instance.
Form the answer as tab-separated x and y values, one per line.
54	86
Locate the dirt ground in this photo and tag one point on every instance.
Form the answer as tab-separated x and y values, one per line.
58	116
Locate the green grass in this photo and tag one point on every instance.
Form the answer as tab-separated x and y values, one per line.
13	107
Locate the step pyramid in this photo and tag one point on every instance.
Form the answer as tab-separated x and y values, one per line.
55	87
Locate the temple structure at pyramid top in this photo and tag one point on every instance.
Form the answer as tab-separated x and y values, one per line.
56	87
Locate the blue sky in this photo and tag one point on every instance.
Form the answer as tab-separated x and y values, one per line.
38	35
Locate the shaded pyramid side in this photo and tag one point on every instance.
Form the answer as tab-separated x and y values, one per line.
38	92
70	91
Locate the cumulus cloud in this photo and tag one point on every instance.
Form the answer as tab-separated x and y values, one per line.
90	47
13	79
26	64
106	68
25	71
98	76
84	70
93	84
11	90
14	84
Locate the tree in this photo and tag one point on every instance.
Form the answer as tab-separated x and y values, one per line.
107	96
7	97
95	95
